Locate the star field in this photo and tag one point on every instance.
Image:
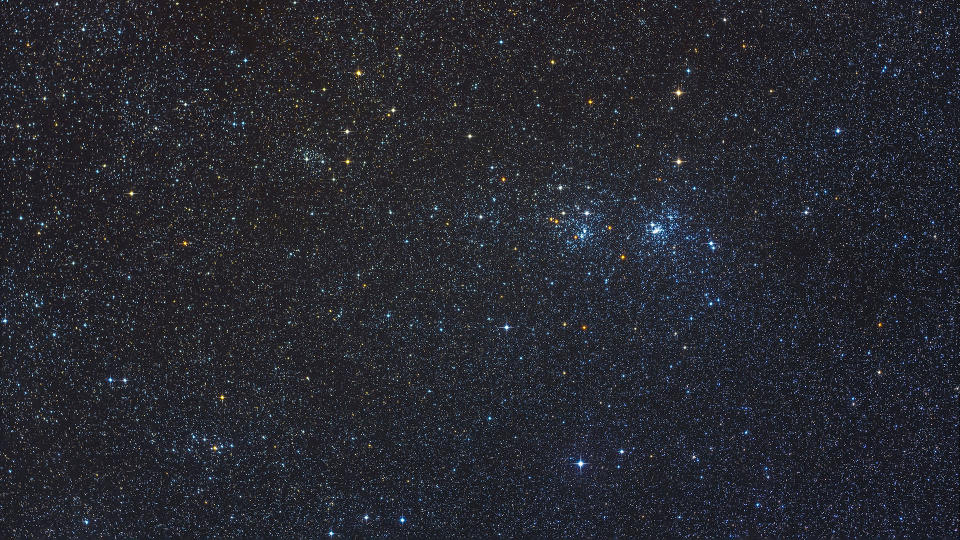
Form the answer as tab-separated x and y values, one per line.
414	269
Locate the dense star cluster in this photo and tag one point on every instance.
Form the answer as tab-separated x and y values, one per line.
299	269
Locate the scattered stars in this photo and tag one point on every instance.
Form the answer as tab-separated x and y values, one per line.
239	205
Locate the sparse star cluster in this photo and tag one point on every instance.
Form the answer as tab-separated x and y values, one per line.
441	270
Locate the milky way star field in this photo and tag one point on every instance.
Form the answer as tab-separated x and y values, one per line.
309	269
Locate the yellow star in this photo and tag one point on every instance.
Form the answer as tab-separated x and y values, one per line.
678	92
678	161
358	73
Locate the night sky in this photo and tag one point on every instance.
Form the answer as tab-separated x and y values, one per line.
438	270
